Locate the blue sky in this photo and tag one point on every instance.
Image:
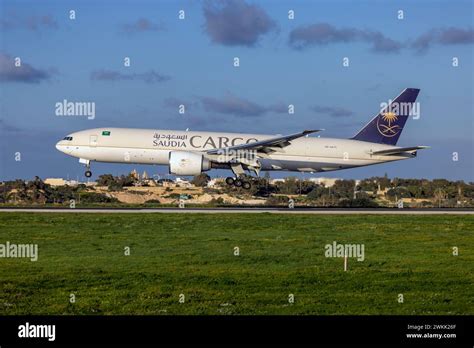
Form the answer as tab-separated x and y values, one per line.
282	62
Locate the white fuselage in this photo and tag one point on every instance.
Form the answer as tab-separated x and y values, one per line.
149	146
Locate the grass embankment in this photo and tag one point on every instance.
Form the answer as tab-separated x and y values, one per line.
193	254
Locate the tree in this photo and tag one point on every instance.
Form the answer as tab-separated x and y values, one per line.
201	180
261	187
127	180
343	189
439	196
105	180
317	192
267	179
358	203
306	186
288	186
115	183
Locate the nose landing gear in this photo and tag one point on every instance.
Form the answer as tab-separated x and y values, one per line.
87	163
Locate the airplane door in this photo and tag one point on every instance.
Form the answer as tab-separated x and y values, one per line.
93	140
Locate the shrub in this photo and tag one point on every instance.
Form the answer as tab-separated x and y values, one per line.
94	197
277	200
156	201
357	203
201	180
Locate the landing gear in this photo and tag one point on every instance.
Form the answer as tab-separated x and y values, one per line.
238	183
87	163
241	178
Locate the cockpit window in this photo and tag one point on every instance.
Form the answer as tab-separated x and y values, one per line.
67	138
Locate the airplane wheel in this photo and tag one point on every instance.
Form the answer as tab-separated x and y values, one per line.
88	173
229	181
238	183
246	185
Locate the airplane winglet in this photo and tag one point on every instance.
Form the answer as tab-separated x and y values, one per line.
310	131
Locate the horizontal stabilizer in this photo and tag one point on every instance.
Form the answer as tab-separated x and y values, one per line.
398	150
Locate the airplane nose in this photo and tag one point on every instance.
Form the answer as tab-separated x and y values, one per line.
59	146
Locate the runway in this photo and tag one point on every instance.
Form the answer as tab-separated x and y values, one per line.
317	211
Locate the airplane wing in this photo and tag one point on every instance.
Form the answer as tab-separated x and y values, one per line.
399	150
265	146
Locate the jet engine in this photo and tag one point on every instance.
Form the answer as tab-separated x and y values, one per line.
188	163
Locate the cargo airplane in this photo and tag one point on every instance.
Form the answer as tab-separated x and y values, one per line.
191	153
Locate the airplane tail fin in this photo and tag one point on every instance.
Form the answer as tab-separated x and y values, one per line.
386	127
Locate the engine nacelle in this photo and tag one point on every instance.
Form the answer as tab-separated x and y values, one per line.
188	163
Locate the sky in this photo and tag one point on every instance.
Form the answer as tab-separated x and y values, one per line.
80	56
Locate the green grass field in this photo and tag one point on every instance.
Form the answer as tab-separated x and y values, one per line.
193	254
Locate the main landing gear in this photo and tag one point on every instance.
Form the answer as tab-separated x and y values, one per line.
88	173
241	179
238	183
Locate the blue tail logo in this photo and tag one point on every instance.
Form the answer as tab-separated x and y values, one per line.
386	127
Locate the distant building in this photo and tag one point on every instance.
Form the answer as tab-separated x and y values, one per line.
60	182
183	183
213	183
55	181
165	182
327	182
274	181
149	182
135	174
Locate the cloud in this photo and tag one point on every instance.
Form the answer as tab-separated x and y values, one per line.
233	106
110	75
174	103
33	23
453	36
279	108
141	25
332	111
24	73
443	36
240	107
320	34
381	43
6	127
236	23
